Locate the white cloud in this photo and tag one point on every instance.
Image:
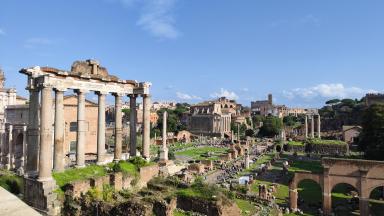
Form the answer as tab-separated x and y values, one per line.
158	19
184	96
2	32
35	42
331	90
225	93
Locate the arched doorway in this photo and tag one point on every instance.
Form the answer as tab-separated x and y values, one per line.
376	201
285	147
278	148
345	200
309	197
18	150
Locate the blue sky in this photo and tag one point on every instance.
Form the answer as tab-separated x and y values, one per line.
302	51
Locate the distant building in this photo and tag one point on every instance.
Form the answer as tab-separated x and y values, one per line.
163	105
371	99
351	134
212	118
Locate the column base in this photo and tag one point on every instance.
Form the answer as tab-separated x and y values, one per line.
39	194
79	166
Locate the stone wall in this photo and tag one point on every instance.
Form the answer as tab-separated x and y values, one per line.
147	173
207	207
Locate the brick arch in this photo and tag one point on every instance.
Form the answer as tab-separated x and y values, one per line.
354	182
299	177
376	171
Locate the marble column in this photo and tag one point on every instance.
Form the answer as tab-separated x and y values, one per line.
306	126
101	128
118	128
132	125
45	159
146	125
58	163
318	126
164	149
24	147
10	148
33	133
313	127
81	129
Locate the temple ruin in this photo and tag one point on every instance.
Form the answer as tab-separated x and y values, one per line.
84	77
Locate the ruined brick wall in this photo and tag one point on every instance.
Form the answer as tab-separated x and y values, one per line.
147	173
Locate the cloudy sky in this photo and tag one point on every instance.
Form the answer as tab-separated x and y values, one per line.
302	51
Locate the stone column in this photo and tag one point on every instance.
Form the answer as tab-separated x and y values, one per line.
146	125
327	193
2	152
306	126
81	129
293	199
118	128
164	149
10	148
364	193
101	128
33	133
318	126
132	125
45	160
246	160
313	127
24	147
58	163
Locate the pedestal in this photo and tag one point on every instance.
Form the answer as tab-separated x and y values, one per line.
40	195
163	154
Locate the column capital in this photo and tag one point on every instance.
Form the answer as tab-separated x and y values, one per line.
132	95
79	91
118	94
101	93
45	86
146	95
60	89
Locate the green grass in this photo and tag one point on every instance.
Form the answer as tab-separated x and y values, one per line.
246	207
295	143
75	174
326	142
11	182
197	153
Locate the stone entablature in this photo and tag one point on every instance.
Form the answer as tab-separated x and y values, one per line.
363	175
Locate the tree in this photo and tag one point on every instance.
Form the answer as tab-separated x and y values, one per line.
249	132
372	136
290	121
271	126
333	101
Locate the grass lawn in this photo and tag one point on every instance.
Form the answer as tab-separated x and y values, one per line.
198	153
75	174
246	207
295	143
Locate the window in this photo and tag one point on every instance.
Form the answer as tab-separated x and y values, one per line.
73	126
72	146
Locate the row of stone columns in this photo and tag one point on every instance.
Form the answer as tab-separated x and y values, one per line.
312	118
7	158
44	162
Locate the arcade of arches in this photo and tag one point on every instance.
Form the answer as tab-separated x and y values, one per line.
363	175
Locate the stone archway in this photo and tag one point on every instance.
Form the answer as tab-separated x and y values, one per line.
376	201
309	196
345	199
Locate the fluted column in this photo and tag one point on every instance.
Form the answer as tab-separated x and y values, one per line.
101	128
24	147
132	125
146	125
33	133
58	163
45	160
81	129
118	128
318	126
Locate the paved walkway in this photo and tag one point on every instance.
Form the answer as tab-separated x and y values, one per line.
11	205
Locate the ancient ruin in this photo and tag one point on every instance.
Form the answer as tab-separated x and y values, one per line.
85	76
363	175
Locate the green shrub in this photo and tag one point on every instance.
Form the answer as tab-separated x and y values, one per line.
11	182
